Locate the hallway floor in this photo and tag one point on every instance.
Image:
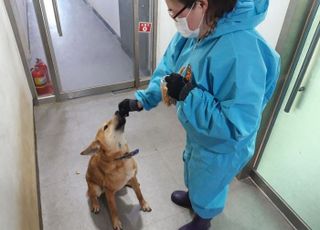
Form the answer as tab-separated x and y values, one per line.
65	129
88	54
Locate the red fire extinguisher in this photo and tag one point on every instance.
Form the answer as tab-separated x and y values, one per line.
41	78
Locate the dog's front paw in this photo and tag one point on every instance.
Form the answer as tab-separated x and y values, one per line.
95	208
117	224
145	207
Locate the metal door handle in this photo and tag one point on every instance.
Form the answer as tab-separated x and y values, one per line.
57	17
297	86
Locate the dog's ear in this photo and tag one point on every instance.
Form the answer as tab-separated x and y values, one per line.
92	148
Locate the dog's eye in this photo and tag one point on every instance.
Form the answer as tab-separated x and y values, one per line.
105	127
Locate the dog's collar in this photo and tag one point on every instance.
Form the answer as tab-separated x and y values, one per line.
128	155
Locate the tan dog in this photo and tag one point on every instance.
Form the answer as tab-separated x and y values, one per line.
111	168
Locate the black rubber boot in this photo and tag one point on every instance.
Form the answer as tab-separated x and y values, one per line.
197	224
181	198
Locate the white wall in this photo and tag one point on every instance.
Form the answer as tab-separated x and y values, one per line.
109	10
166	29
270	28
18	194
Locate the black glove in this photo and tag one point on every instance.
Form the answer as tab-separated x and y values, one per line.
128	105
178	86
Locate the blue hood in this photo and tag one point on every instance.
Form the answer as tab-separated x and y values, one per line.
247	14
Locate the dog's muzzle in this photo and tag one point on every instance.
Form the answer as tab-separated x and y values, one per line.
121	121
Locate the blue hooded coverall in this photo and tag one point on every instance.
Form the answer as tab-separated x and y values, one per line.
235	73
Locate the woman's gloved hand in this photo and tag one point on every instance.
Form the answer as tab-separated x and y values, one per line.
178	86
129	105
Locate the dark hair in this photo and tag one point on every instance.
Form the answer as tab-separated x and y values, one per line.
216	8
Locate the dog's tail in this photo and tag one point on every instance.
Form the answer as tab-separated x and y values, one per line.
92	148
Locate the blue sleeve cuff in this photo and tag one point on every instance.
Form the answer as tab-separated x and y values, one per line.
141	97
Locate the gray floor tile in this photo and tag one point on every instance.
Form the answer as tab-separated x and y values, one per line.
173	222
244	211
173	159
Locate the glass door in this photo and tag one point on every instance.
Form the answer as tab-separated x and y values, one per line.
94	44
77	48
32	51
290	164
87	44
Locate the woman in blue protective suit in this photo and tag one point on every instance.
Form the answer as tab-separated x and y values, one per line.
232	73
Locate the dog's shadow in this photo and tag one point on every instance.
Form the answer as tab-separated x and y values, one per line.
129	214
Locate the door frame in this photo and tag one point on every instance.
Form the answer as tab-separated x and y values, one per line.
264	133
58	95
14	25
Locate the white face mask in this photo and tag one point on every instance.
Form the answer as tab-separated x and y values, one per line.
183	27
